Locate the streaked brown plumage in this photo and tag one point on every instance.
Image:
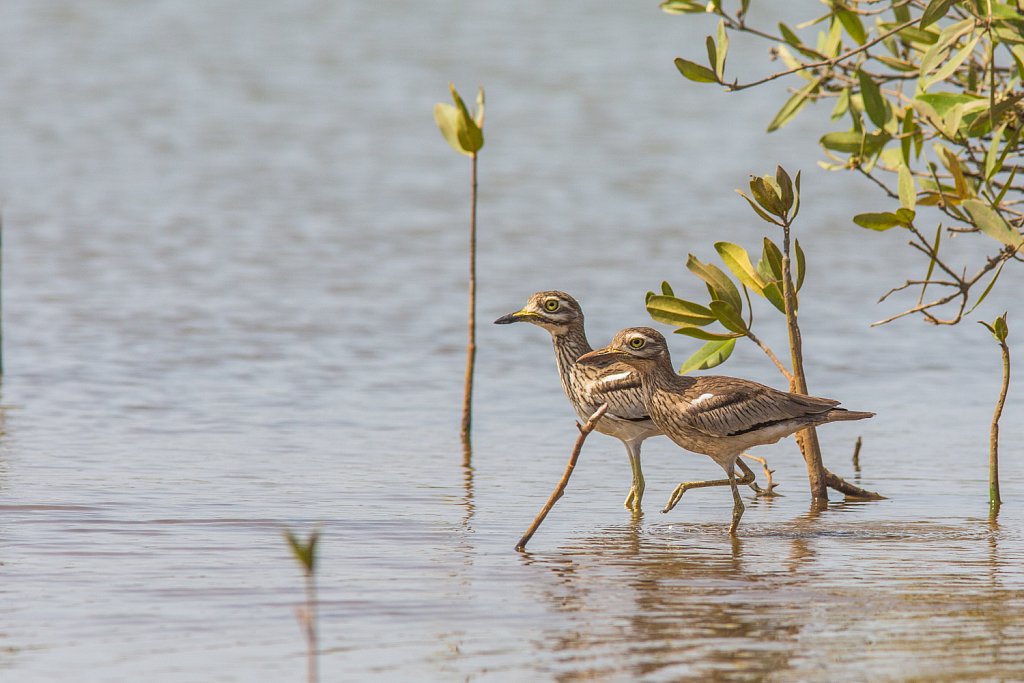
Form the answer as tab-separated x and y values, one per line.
717	416
588	386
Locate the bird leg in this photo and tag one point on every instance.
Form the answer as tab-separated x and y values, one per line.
746	479
760	492
737	503
636	492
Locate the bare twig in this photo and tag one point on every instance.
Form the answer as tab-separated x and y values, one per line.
734	87
775	359
770	485
836	482
560	489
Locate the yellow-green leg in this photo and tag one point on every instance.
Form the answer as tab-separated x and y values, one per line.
748	477
737	503
636	492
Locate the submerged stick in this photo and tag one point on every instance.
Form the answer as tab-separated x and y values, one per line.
560	489
834	481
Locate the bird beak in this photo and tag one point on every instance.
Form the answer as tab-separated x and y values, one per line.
517	317
602	356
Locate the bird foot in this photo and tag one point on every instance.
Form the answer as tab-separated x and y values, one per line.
632	501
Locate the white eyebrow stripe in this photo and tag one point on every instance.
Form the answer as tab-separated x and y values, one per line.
612	378
702	397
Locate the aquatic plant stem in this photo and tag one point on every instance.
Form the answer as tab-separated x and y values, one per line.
808	438
994	500
467	398
308	619
819	478
569	467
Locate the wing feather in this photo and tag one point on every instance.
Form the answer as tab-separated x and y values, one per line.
740	406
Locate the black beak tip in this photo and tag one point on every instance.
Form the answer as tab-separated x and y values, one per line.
506	319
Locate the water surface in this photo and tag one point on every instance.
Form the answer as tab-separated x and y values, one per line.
234	299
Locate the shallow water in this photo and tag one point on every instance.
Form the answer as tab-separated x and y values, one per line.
234	301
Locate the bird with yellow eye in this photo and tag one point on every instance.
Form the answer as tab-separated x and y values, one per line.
716	416
588	386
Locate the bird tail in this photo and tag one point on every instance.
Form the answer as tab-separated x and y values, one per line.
841	414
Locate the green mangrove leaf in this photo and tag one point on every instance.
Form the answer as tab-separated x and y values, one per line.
990	222
793	105
700	333
719	284
851	22
737	260
801	264
877	221
874	103
935	10
695	72
729	316
907	191
673	311
458	127
710	355
722	51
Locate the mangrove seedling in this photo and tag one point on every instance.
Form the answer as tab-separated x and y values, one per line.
305	555
465	133
1000	332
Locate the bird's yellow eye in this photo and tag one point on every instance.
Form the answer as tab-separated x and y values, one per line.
637	342
551	305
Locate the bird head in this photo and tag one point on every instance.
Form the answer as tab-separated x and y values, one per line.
555	311
638	347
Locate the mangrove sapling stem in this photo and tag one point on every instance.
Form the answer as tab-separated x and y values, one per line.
819	478
464	133
993	442
307	617
569	467
856	456
467	397
808	438
305	554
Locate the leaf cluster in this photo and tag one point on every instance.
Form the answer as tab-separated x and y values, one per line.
463	131
931	95
304	551
776	199
998	328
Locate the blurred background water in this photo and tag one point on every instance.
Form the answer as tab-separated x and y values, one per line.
234	300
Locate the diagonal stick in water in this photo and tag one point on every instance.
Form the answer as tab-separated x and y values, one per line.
569	467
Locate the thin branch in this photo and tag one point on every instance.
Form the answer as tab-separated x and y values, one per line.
775	359
560	489
834	481
735	86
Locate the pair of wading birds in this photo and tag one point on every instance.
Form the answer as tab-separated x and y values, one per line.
720	417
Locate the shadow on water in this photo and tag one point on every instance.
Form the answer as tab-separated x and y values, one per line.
787	601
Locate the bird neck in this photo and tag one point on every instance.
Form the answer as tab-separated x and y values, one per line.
660	376
570	345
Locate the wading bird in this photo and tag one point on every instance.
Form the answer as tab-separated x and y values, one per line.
588	386
717	416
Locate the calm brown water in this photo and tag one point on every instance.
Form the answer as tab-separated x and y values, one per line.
234	301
